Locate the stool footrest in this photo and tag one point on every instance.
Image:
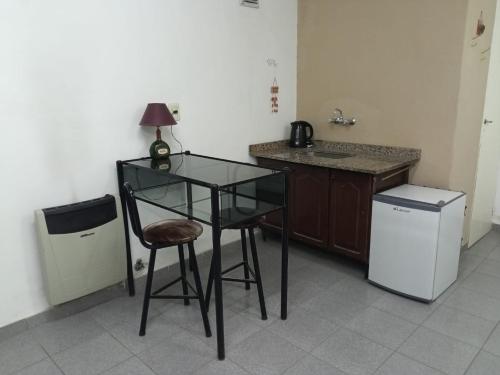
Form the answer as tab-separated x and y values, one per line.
167	286
238	280
155	293
173	297
232	268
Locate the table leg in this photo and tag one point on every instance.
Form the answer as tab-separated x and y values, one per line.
219	312
284	251
189	196
130	272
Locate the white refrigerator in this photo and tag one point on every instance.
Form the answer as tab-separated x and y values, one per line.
415	240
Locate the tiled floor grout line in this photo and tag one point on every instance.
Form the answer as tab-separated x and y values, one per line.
421	325
481	349
470	273
396	350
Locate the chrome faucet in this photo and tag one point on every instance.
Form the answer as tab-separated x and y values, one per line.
340	120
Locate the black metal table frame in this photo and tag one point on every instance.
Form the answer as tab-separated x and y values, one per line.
216	235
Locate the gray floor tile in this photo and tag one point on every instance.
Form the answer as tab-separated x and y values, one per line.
121	310
303	329
236	329
352	353
132	366
460	325
264	353
475	303
331	307
468	263
13	329
484	364
413	311
490	267
181	354
65	333
357	290
311	365
45	367
382	327
495	254
321	275
482	283
485	246
297	295
400	365
493	343
18	352
448	292
92	357
439	351
189	317
157	330
225	367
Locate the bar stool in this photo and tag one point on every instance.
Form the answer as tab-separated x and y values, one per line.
159	235
247	270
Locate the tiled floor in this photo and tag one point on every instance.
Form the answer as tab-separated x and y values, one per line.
338	324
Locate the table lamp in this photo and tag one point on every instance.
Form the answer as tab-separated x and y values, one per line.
157	114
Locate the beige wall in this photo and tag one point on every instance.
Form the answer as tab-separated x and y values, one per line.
396	65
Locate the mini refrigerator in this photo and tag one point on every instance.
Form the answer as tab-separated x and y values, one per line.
415	240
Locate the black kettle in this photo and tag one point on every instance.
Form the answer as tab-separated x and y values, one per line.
298	135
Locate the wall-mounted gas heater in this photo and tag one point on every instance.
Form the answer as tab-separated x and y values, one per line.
250	3
82	247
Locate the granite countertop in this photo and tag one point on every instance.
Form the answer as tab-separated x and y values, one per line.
365	158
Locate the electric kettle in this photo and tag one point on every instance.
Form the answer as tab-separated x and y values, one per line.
298	135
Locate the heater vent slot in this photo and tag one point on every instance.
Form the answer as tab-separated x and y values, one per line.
250	3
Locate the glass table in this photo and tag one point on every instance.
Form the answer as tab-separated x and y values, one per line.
213	191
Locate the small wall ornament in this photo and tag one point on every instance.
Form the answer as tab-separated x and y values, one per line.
481	27
274	96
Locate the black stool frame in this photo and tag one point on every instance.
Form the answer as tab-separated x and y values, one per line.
186	285
247	270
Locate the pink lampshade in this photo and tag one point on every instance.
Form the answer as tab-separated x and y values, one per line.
157	114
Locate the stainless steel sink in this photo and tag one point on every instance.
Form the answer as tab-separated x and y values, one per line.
330	155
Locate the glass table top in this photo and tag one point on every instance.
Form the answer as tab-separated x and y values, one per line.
204	170
183	185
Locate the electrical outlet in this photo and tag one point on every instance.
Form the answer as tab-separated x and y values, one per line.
175	111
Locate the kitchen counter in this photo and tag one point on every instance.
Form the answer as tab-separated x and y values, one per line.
364	158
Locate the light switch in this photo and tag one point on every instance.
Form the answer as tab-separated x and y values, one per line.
175	111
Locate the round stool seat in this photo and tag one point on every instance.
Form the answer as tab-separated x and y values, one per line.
172	232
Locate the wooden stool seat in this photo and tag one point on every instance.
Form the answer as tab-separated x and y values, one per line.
172	232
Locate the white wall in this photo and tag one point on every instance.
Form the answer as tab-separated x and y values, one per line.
75	77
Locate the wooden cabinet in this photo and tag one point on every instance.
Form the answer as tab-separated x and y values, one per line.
331	208
350	211
309	209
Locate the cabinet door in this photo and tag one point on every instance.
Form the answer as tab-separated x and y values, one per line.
309	210
350	205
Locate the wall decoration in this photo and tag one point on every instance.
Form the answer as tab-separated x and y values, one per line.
481	27
274	96
274	87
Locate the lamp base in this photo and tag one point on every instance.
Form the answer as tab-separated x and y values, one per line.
159	150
